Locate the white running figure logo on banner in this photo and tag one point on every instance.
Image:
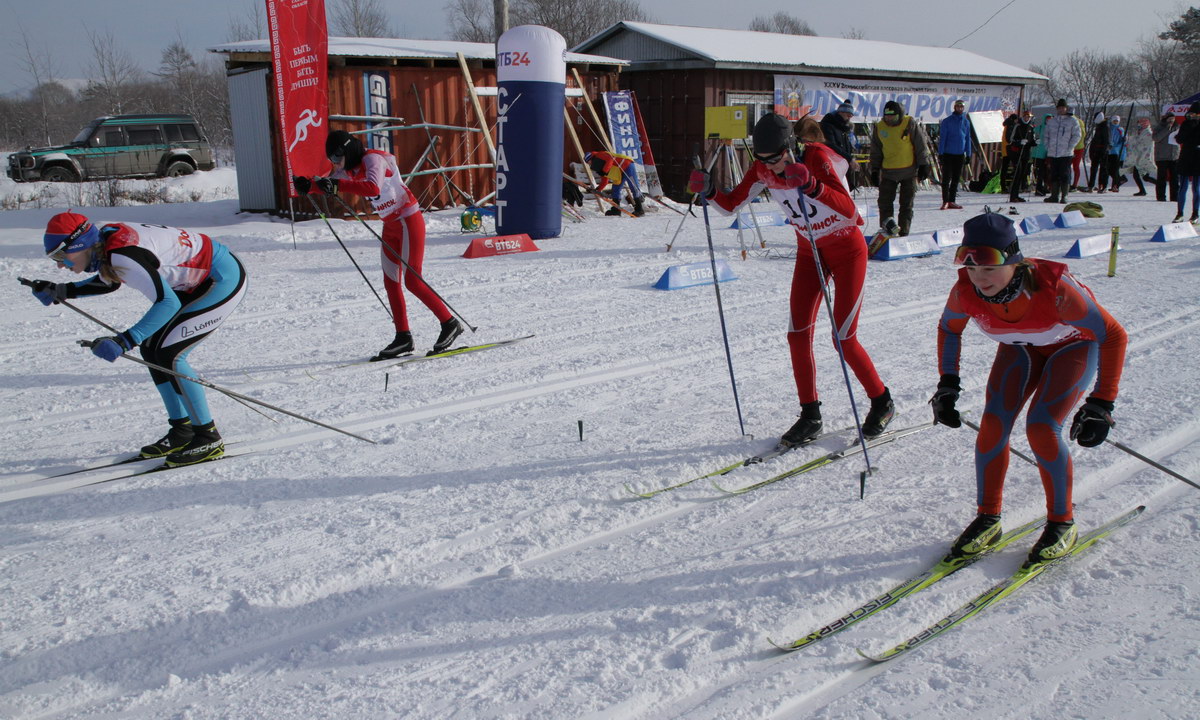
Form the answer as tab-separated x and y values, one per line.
308	119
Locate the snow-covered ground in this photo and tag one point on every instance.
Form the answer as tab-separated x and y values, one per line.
481	561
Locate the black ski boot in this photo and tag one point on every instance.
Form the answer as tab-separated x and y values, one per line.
451	329
806	428
401	345
881	413
638	210
1057	540
178	436
205	445
615	210
983	532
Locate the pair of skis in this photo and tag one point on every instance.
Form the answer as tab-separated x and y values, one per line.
946	567
852	448
410	358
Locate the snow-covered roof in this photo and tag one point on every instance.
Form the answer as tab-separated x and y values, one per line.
404	48
748	49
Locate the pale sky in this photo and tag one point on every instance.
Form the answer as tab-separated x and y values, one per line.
1023	31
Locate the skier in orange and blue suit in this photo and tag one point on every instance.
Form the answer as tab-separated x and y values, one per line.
619	170
1054	339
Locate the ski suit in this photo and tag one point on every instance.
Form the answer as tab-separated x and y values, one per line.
193	282
1054	338
617	169
830	215
402	254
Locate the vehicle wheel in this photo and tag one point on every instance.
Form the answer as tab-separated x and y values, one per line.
59	174
179	168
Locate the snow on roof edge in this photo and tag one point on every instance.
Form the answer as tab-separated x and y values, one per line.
406	48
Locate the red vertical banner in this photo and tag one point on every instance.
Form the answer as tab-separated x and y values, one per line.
299	48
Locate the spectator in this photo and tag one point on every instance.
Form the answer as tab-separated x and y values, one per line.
1007	158
1116	153
899	158
954	146
1166	152
1077	154
1038	157
1021	141
1189	161
1140	142
839	132
1098	155
1061	134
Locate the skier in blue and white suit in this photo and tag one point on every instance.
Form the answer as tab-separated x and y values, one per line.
193	282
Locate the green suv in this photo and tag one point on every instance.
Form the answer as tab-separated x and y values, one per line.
118	147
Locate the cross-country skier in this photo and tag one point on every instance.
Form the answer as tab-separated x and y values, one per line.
374	175
193	282
620	171
808	188
1054	339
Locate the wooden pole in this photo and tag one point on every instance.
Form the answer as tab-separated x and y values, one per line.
595	116
487	134
582	159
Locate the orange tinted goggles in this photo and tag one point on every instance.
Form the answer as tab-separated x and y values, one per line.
979	255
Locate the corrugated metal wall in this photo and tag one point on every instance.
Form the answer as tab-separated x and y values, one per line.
250	112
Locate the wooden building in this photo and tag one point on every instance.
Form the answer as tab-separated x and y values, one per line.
423	83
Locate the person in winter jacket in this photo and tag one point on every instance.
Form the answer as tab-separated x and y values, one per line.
1061	134
373	174
1140	158
899	159
1021	140
1098	155
620	171
1077	157
193	284
804	181
1038	157
838	129
954	147
1054	338
1166	153
1116	152
1188	138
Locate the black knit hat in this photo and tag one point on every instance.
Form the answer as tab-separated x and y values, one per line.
996	231
342	144
772	134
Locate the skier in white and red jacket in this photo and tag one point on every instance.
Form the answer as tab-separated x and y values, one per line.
806	182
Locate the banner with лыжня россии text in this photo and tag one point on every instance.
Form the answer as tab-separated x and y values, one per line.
299	52
928	102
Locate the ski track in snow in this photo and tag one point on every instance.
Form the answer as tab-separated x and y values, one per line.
481	562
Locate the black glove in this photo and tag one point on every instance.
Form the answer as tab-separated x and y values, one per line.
1091	423
875	179
571	193
303	184
51	293
943	402
922	172
326	185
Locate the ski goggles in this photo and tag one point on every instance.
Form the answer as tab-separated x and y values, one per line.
770	159
60	251
980	255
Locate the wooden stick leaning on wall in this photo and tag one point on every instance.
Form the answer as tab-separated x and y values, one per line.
595	116
487	135
582	159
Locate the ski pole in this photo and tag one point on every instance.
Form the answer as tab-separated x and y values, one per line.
392	254
712	256
1151	463
115	331
711	163
837	341
230	393
313	202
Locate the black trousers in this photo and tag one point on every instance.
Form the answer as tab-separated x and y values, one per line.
1166	174
952	167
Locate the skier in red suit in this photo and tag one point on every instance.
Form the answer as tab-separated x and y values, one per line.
373	174
1054	339
809	188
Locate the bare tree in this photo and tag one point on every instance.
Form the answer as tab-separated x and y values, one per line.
114	74
249	26
782	22
1164	71
39	62
575	20
855	33
359	18
1091	81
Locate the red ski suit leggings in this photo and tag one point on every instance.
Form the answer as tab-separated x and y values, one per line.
844	260
404	238
1052	378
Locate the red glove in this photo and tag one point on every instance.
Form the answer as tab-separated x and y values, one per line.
700	183
798	176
